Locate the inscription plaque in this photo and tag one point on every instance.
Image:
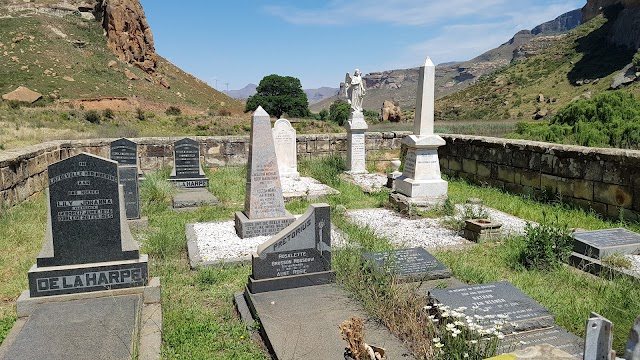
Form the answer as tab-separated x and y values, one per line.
186	158
600	243
409	264
124	151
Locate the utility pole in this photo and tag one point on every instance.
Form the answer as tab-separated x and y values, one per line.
227	87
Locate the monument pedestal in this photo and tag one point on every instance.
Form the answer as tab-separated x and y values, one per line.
421	183
246	227
356	147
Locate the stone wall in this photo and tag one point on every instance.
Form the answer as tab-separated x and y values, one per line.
23	172
605	180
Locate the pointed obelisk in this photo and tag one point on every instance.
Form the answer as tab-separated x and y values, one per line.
264	212
421	183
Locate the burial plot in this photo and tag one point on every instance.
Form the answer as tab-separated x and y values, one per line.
125	152
298	256
264	212
187	172
415	264
497	299
284	139
558	337
88	245
598	244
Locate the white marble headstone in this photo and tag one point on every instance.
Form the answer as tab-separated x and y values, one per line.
284	139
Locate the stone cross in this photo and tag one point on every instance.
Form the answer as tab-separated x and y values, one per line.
423	123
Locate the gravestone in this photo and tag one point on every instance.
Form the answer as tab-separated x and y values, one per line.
88	245
187	172
356	144
415	264
558	337
598	244
298	256
264	212
125	152
284	139
499	298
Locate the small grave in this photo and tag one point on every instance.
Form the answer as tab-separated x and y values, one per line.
482	230
188	177
497	299
264	212
414	264
125	152
298	256
600	243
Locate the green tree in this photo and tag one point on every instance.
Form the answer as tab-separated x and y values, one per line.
278	95
339	111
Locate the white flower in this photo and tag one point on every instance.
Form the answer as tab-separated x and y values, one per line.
474	341
461	308
465	355
439	345
458	323
436	340
500	336
454	335
427	307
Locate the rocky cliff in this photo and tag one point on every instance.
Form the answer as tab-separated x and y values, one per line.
625	14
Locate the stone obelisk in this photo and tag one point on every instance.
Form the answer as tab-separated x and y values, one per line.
421	183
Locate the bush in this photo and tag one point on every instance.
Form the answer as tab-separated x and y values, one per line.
173	111
224	112
324	114
92	116
140	114
108	114
636	60
339	112
546	246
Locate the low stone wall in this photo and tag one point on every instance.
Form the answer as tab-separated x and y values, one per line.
23	172
605	180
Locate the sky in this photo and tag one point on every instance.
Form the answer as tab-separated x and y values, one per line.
232	43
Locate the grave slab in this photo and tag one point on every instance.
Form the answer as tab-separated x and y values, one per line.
368	182
128	176
192	198
498	298
82	329
187	172
600	243
305	188
415	264
556	336
303	323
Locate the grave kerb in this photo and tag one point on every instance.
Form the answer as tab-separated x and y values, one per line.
408	265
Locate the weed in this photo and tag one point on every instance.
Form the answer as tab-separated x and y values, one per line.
173	111
92	116
108	113
140	114
546	246
617	261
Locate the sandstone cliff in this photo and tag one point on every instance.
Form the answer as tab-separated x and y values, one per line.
625	30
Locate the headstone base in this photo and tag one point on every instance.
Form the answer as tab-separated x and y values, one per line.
413	188
391	179
246	227
290	282
192	198
71	279
405	203
190	183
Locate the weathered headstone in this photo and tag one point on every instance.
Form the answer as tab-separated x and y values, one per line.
264	212
558	337
125	152
88	245
356	146
187	172
299	255
600	243
415	264
421	183
284	139
499	298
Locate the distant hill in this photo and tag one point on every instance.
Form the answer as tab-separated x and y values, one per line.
400	85
313	95
243	93
60	50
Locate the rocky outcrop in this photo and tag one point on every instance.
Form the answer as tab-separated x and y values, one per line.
390	112
535	46
625	14
22	94
392	79
561	24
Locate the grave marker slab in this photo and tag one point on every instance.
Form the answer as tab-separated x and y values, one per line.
284	138
413	264
499	298
124	151
88	245
264	212
299	255
187	172
128	176
558	337
600	243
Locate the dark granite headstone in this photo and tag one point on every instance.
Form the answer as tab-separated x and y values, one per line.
264	212
499	298
86	227
125	152
600	243
414	264
187	172
129	179
555	336
299	255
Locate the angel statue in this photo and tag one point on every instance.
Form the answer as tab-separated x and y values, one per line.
355	90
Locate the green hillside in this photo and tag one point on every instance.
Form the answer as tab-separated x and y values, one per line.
579	65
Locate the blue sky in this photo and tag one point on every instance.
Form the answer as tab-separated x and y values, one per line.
241	41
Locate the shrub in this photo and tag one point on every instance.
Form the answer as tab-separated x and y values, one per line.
108	113
13	104
636	60
140	114
92	116
324	114
339	112
173	111
546	246
224	112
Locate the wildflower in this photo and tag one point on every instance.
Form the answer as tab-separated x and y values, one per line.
436	340
465	355
439	345
461	308
428	307
474	341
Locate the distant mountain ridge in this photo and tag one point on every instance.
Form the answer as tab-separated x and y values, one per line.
313	95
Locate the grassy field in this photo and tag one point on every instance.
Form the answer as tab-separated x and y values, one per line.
200	321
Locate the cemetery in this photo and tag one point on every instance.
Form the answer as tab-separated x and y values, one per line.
279	245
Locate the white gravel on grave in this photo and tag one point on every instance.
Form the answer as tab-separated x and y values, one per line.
424	232
217	241
635	264
370	182
304	185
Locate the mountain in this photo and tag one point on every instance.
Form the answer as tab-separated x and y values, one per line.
313	95
94	52
243	93
400	85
